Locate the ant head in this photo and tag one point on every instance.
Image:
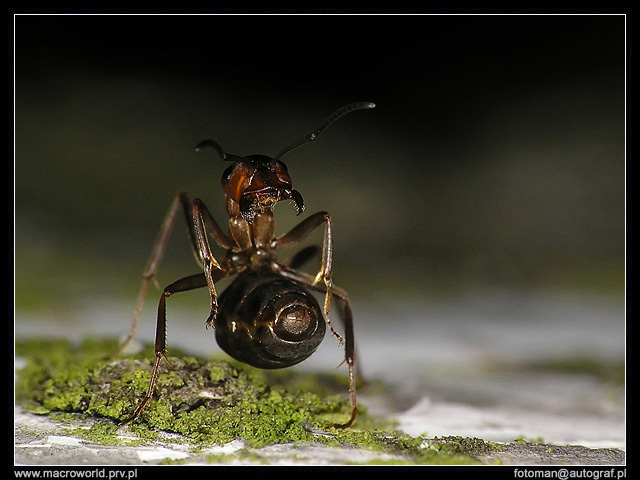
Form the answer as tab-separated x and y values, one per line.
257	182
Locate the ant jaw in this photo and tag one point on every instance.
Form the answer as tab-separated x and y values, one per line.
296	199
252	203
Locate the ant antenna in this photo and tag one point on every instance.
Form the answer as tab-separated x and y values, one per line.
328	121
214	145
227	157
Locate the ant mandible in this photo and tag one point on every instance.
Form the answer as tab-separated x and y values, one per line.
265	317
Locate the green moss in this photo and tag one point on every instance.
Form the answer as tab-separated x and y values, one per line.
105	433
521	440
464	445
209	402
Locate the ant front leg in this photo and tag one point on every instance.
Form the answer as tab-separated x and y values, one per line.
201	219
157	252
201	216
299	232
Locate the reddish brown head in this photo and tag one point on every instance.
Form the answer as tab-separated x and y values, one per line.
257	182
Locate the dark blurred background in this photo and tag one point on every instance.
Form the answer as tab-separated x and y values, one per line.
495	158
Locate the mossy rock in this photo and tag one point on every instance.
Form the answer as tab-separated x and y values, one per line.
211	402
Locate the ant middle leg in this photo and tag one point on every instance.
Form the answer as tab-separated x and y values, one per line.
183	285
346	315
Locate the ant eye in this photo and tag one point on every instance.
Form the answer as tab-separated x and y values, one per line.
236	179
226	175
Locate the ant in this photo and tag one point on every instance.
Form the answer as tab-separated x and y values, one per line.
266	317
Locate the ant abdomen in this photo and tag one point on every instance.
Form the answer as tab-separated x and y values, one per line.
267	321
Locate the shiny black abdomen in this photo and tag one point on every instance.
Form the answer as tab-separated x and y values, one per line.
267	321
